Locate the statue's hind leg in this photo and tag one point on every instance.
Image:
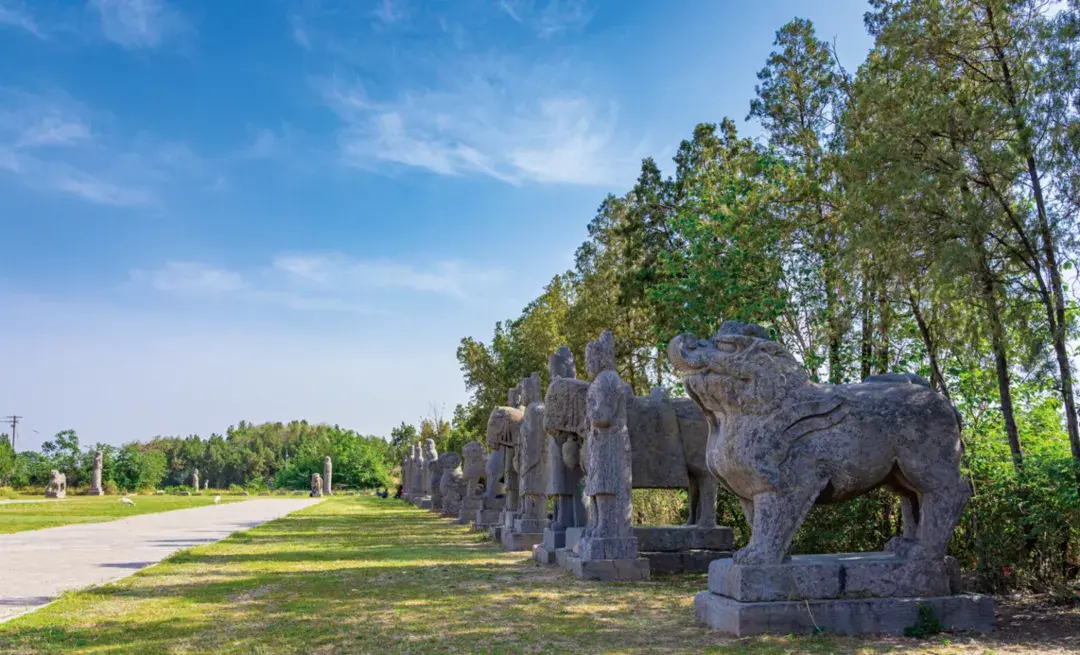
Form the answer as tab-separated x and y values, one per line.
777	517
695	502
941	499
909	512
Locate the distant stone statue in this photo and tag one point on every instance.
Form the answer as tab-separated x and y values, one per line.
503	431
565	473
532	508
195	479
493	477
428	454
328	475
782	443
434	475
57	485
473	471
417	474
452	484
206	484
316	485
95	476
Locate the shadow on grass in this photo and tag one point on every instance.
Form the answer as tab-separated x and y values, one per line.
375	576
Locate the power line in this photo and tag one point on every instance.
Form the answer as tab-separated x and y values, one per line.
14	420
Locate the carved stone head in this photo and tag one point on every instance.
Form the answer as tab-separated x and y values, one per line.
600	355
561	364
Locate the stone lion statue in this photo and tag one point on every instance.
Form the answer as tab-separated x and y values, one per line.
57	485
782	443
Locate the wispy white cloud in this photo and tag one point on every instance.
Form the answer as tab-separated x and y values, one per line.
299	32
329	282
498	119
548	17
14	14
50	144
390	11
136	24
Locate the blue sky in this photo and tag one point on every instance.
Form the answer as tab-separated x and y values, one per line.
277	209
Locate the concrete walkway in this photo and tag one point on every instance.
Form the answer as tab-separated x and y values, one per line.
39	565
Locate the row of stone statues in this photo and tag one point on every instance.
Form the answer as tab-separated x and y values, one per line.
753	424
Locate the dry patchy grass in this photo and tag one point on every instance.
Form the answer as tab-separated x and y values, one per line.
366	575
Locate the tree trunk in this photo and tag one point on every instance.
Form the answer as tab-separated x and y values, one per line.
936	378
884	320
866	353
1056	305
1001	362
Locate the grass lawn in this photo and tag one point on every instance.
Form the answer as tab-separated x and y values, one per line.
16	517
366	575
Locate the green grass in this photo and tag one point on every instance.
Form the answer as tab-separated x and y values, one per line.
16	517
366	575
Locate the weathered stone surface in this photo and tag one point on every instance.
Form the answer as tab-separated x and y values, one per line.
328	476
960	613
452	484
671	538
503	434
554	539
428	455
486	518
513	540
95	476
472	468
532	508
195	479
434	474
57	487
316	485
668	440
684	561
543	554
852	575
782	443
634	570
573	537
564	471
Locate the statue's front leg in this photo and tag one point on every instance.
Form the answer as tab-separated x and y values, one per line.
776	518
706	502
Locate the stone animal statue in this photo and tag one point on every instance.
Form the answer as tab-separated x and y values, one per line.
316	485
434	475
57	485
668	437
503	433
473	469
452	484
782	443
493	477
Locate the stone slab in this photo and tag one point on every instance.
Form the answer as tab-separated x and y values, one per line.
530	525
554	539
688	561
605	570
425	503
675	538
542	554
515	541
958	613
822	577
616	548
573	537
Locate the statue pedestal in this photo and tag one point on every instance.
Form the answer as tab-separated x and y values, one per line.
485	519
856	593
545	551
602	559
683	548
525	534
424	503
95	492
56	494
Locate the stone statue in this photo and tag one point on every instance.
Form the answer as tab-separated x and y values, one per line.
405	474
532	507
503	432
416	481
782	443
57	485
564	474
668	438
473	471
452	484
195	479
316	485
493	476
434	476
328	476
428	454
607	487
95	475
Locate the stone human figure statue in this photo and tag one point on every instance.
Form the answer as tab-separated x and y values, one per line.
316	485
452	484
493	476
428	455
609	534
328	475
195	479
416	474
434	477
532	507
564	474
206	484
95	475
473	469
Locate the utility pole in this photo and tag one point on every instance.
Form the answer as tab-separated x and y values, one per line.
14	420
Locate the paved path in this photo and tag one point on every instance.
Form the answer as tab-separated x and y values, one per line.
38	565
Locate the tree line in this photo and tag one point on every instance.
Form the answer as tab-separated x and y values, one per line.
250	456
917	213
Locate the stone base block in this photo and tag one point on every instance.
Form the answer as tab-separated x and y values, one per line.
606	570
688	561
530	525
822	577
512	540
544	555
486	517
554	539
573	537
959	613
95	492
507	519
425	503
56	494
678	538
495	532
618	548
